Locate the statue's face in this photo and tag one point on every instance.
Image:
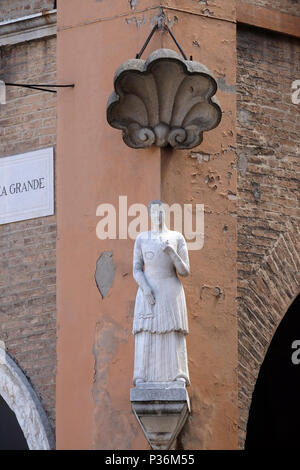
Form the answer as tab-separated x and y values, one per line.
157	214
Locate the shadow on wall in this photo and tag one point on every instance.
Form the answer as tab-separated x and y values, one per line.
275	409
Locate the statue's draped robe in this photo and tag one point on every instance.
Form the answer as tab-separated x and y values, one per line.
160	329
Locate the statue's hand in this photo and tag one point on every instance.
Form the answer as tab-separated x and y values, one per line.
149	296
165	246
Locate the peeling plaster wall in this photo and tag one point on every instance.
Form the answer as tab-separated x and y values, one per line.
10	9
284	6
207	175
105	272
94	334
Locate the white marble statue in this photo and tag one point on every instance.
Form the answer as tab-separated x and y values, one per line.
160	315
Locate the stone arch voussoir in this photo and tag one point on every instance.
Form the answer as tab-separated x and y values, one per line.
23	401
265	298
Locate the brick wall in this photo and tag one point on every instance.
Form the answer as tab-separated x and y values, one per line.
27	248
10	9
292	7
268	190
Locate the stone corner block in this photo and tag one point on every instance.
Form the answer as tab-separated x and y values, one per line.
161	412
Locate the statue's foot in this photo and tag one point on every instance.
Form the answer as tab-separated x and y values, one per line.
139	381
181	379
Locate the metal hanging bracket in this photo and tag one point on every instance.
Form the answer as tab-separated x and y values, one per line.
40	87
161	25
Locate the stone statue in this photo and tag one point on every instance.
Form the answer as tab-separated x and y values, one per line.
160	315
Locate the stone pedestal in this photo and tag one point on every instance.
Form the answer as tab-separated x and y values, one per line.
161	409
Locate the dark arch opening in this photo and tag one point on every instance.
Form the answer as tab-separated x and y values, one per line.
11	435
274	414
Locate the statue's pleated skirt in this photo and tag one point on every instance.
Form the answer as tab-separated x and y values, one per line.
169	313
160	357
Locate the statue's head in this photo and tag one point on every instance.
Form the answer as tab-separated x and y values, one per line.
157	213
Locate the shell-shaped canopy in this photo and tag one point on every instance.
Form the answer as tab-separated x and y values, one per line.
162	101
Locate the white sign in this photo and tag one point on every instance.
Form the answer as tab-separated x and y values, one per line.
26	186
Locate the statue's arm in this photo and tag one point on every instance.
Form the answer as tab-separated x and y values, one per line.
138	273
180	258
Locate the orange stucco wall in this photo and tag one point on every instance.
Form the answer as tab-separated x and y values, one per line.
94	166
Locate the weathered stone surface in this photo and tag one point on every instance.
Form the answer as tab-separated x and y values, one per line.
163	101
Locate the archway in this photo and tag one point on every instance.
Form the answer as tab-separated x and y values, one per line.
263	299
22	408
275	408
11	434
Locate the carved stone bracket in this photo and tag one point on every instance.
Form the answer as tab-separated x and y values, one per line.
161	409
163	101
